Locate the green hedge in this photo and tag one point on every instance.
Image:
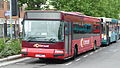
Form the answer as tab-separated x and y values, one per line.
11	48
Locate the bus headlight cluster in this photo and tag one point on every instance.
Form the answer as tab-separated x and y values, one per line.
59	51
105	37
24	50
102	35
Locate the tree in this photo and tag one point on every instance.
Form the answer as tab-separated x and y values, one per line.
32	4
97	8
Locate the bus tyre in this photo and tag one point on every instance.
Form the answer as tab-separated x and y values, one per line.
95	46
75	53
108	41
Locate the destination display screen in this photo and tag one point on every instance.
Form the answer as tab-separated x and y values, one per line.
43	15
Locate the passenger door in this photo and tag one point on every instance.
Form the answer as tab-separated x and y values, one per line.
68	42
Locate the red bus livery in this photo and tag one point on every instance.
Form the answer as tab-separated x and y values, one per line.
58	34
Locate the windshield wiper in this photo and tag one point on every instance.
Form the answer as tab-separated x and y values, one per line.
31	38
34	38
52	40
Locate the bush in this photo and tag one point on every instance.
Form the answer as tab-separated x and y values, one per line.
11	48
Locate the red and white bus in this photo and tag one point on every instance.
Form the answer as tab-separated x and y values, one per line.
59	34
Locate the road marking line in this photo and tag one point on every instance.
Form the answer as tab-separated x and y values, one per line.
68	63
85	56
14	61
96	51
91	53
104	47
78	59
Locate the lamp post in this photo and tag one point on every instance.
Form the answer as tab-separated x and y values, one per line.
10	19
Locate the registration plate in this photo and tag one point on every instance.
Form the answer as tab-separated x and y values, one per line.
38	55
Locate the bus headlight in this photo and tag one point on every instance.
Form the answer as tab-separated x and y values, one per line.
23	50
102	35
59	51
105	37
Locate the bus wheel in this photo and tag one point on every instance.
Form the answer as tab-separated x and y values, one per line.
108	41
95	46
75	53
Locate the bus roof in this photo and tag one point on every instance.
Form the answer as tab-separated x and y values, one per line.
56	15
104	19
114	20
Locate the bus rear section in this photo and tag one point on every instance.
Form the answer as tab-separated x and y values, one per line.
110	30
115	30
119	28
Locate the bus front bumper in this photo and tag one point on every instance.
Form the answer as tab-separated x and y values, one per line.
43	53
104	42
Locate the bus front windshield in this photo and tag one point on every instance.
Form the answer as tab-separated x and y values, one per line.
40	30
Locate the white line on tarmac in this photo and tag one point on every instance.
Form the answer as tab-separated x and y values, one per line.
91	53
68	63
14	61
104	47
85	56
96	51
78	59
